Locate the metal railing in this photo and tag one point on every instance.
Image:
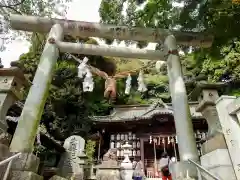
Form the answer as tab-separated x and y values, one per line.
9	161
203	169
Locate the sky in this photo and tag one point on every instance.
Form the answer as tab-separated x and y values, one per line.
77	11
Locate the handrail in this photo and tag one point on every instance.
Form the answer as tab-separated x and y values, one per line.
203	169
10	159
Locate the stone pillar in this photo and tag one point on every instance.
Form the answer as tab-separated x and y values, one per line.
182	118
24	137
231	131
207	94
12	81
25	134
234	108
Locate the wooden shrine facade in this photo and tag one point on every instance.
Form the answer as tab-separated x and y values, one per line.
146	130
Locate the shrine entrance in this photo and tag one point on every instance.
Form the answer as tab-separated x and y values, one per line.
153	149
57	28
149	135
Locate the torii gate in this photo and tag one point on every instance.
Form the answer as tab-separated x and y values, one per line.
24	136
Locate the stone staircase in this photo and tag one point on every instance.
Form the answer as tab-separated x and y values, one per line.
24	167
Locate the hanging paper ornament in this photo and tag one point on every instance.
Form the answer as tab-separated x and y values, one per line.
141	85
82	68
88	83
128	84
159	65
169	140
163	140
150	139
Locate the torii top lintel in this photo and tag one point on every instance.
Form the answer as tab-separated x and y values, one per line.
89	29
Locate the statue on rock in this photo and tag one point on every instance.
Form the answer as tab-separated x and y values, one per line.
110	155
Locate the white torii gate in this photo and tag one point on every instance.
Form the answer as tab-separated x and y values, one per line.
24	136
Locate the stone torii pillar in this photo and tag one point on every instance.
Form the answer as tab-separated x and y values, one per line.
25	134
29	120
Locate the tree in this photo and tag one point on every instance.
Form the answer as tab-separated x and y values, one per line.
49	8
220	18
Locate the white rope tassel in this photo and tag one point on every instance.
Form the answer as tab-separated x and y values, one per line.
82	68
150	139
169	140
88	83
141	85
128	84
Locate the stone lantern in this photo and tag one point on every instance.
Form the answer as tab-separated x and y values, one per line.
126	165
126	152
12	81
207	94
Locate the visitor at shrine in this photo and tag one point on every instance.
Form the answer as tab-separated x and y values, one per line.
164	166
173	160
138	172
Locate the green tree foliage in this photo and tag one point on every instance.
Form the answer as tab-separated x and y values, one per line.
220	18
48	8
90	150
33	7
68	108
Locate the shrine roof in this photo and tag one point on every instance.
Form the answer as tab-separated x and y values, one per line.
142	112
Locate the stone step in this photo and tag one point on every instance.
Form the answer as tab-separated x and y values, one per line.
57	178
25	175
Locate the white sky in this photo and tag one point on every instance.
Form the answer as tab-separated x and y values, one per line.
87	11
77	11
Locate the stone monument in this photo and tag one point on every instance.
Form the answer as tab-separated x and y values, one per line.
109	169
72	161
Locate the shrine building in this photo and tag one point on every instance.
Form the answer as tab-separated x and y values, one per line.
149	129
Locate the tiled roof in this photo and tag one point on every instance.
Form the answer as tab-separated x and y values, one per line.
136	113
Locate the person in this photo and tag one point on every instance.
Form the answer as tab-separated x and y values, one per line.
164	166
138	171
172	161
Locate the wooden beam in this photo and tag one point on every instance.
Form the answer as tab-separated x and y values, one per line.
112	51
89	29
